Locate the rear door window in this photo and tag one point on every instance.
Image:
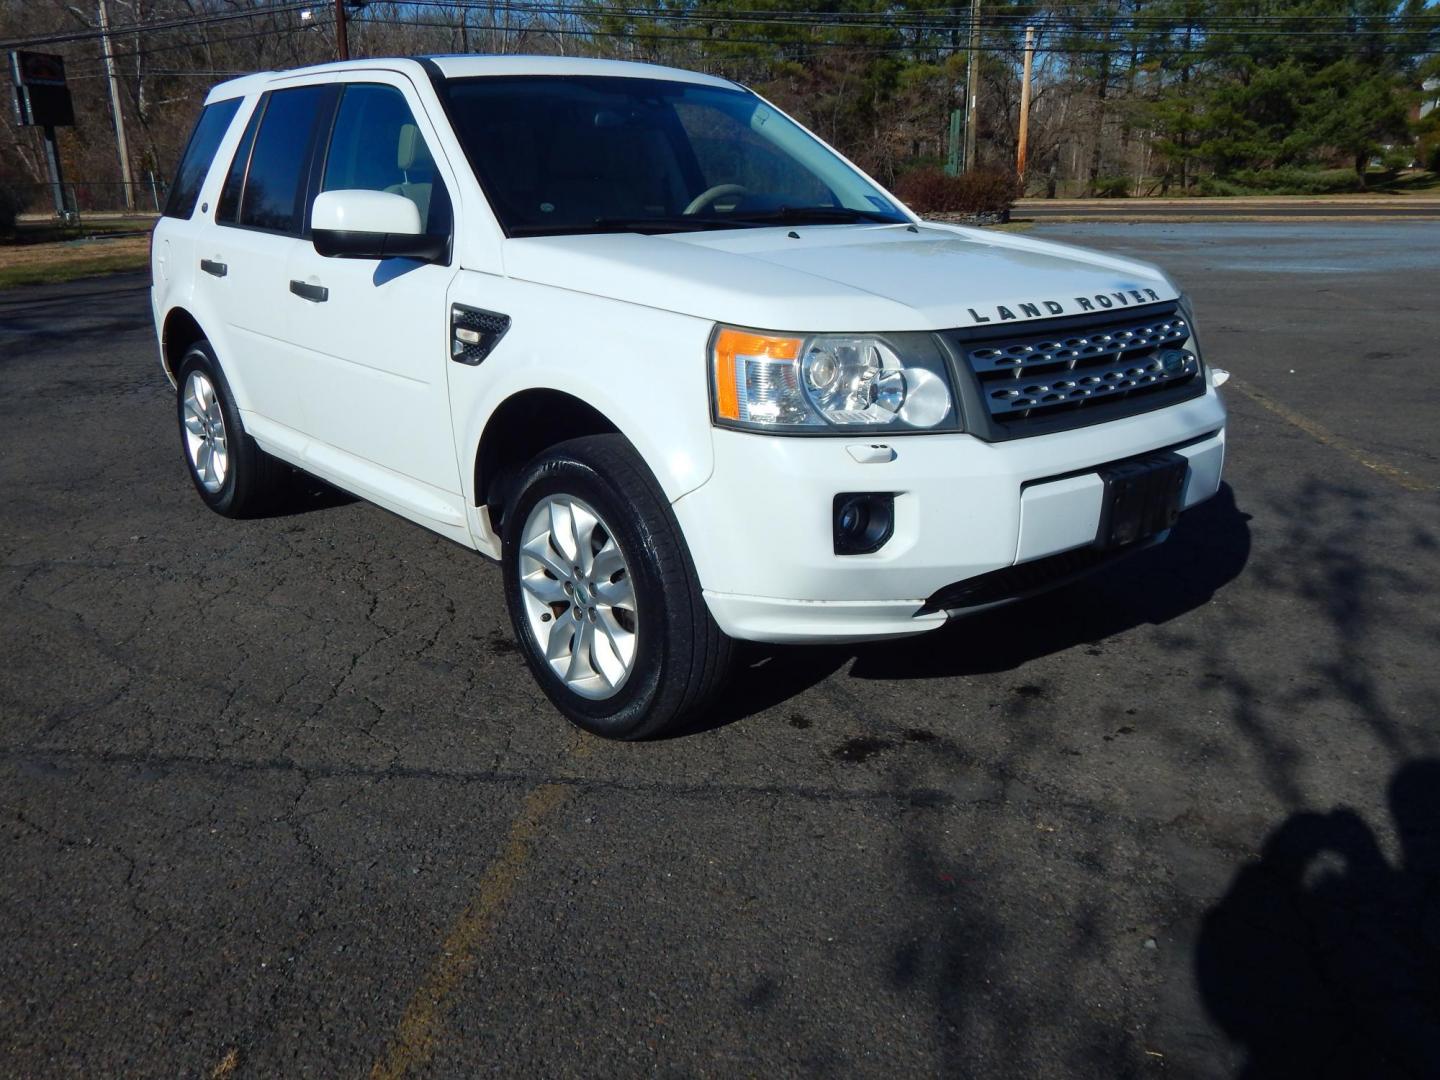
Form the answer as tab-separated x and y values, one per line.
195	164
274	183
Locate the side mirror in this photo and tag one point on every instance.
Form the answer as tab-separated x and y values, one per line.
372	225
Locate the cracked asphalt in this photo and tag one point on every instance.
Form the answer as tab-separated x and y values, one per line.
278	797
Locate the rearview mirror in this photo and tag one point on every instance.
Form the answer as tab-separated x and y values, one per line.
372	225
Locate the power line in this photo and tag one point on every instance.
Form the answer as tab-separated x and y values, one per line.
542	30
192	45
1211	29
1118	25
92	34
917	17
1055	19
1034	17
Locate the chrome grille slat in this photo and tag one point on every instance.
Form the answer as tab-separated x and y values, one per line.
1149	334
1074	386
1039	373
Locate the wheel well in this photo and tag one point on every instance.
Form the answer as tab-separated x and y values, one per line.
523	426
180	332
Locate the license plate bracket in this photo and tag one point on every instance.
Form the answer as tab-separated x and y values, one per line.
1142	497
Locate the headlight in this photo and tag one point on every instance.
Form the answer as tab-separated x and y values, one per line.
830	383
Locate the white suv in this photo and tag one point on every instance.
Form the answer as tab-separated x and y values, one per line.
686	371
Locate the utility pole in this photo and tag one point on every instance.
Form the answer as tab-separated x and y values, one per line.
122	148
342	33
972	86
1025	109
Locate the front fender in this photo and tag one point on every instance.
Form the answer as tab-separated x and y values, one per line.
641	368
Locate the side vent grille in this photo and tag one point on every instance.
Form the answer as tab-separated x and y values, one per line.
474	333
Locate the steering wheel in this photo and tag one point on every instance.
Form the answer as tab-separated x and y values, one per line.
708	197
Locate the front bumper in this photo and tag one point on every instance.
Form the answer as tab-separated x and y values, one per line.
759	529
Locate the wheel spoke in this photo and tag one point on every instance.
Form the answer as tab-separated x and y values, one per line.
615	594
562	641
605	662
541	551
562	530
612	652
585	524
544	588
194	421
607	561
580	665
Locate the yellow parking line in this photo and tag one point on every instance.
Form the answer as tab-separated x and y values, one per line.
415	1039
1335	442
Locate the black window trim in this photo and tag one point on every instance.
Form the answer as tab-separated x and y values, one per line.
256	116
324	118
189	144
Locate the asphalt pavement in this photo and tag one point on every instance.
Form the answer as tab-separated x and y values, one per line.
279	798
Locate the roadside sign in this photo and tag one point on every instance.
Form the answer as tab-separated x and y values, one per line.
42	97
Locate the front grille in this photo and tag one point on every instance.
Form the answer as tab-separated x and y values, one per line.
1068	372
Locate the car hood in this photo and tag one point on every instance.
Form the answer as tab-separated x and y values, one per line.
842	278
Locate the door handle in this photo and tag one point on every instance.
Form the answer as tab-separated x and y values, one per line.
210	266
316	293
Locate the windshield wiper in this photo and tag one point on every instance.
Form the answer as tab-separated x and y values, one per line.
819	215
675	223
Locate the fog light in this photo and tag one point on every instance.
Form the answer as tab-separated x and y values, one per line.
863	521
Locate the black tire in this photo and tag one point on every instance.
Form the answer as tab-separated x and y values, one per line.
252	477
681	655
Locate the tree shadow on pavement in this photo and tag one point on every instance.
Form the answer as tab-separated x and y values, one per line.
1323	959
1207	549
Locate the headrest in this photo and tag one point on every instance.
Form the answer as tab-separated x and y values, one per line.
411	148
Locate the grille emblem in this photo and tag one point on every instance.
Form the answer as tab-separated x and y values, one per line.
1174	361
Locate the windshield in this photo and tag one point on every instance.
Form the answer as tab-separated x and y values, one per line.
576	154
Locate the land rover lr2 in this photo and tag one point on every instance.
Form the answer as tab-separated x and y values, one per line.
688	373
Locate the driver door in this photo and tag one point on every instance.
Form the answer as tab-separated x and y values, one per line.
375	331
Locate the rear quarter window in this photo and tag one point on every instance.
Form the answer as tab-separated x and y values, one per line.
199	152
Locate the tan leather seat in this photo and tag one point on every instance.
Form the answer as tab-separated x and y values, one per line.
413	159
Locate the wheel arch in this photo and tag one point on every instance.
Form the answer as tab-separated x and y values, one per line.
514	434
179	331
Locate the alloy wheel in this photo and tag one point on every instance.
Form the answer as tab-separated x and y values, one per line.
205	438
578	595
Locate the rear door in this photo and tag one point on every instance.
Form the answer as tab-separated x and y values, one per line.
375	332
243	259
173	266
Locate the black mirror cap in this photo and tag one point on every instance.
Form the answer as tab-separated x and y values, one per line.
348	244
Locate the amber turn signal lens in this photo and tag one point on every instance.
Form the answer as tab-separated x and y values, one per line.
732	346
